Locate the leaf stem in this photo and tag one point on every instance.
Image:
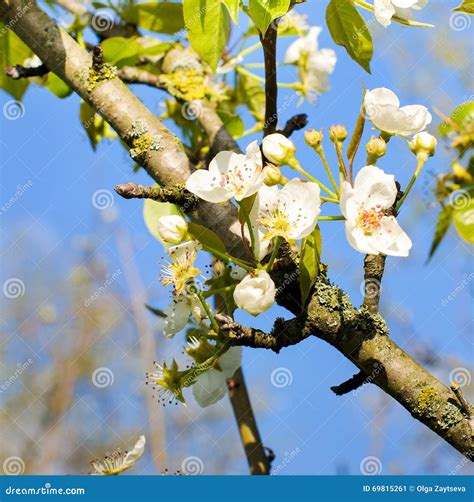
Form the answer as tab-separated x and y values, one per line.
207	308
331	218
246	216
295	85
422	158
320	151
297	167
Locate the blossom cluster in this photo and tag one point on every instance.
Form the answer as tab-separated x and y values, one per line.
275	209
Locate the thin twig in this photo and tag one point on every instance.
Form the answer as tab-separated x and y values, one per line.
269	41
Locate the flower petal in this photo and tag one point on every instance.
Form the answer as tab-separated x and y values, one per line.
177	315
230	361
300	201
205	185
209	388
373	188
136	453
384	11
417	117
391	239
359	240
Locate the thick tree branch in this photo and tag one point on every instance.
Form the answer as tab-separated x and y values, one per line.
151	143
363	338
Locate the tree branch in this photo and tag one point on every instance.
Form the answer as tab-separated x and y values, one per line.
363	338
269	41
175	194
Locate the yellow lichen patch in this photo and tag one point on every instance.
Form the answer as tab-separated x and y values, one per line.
96	75
185	84
142	144
426	398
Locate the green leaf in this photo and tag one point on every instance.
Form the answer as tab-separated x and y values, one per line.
357	135
263	12
462	116
467	6
463	220
94	125
309	262
251	94
12	51
152	211
232	122
157	312
233	8
57	86
163	17
121	52
209	240
444	222
348	28
208	24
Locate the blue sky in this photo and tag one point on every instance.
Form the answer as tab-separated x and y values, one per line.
317	432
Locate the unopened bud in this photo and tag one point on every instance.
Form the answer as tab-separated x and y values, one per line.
278	149
273	176
313	138
376	148
423	143
172	228
337	133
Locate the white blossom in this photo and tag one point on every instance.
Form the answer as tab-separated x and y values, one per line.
382	107
384	10
291	213
211	386
119	461
255	293
368	228
181	269
315	64
230	175
178	312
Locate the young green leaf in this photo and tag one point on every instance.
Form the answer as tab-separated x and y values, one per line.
233	8
57	86
463	220
162	17
251	94
348	28
444	222
209	240
263	12
208	24
309	262
120	51
461	118
467	6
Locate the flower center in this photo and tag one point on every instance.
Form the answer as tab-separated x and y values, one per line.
277	224
369	220
233	180
179	271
